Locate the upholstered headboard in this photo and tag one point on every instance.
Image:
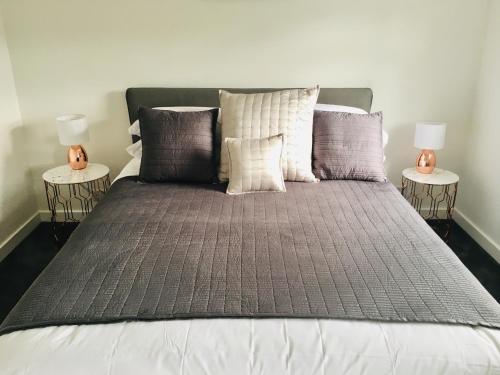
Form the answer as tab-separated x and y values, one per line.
209	97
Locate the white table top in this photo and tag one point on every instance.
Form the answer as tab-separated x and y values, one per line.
65	175
437	177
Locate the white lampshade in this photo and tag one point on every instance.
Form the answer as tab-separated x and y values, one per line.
72	129
430	135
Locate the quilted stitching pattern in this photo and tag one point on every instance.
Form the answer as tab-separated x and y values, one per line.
348	146
255	164
337	249
287	112
177	146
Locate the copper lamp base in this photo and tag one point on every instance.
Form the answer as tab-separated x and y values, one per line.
77	157
426	161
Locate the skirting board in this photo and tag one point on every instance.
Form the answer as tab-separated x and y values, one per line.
23	231
20	234
485	241
45	215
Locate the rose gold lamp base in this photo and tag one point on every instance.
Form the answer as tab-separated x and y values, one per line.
426	161
77	157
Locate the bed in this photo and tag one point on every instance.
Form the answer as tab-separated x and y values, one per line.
336	277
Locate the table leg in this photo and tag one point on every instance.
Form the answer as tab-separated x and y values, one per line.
437	196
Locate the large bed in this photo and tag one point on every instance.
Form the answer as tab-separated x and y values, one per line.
330	277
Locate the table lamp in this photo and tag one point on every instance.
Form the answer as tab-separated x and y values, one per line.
74	130
429	136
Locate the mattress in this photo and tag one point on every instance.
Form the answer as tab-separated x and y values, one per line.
254	345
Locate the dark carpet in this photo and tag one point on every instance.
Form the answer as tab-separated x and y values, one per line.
21	267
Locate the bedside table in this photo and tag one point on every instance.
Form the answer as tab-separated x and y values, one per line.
438	189
75	191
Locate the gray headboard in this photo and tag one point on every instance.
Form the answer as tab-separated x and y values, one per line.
209	97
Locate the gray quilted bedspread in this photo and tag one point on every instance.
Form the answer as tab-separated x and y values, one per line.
335	249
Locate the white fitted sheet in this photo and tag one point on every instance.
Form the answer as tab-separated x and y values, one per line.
251	346
130	169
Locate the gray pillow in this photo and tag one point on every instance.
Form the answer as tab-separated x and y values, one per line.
348	146
177	146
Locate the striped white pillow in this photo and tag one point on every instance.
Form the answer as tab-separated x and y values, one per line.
288	112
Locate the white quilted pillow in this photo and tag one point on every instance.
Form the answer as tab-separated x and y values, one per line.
255	164
261	115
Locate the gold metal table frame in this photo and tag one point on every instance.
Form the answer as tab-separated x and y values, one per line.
440	198
74	198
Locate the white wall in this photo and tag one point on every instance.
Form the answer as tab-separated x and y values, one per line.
420	58
17	201
479	201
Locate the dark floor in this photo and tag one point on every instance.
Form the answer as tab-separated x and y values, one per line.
21	267
25	263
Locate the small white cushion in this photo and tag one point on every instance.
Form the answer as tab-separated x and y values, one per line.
288	112
255	164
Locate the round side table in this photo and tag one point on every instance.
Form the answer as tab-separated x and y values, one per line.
438	190
75	191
